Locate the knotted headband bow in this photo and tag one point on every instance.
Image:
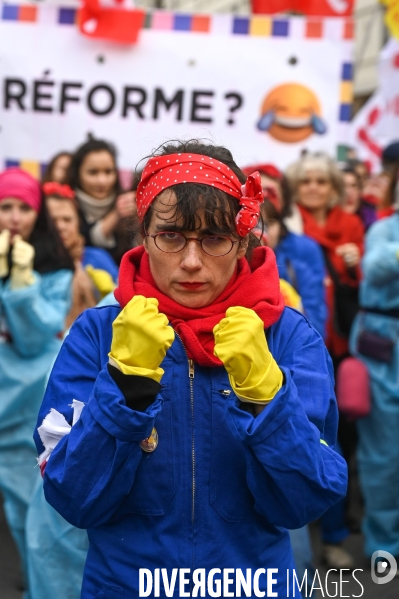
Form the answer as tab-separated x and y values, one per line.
54	188
162	172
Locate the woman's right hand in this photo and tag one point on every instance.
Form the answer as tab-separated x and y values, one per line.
350	254
22	256
140	338
4	249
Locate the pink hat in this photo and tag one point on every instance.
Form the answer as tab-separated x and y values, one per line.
16	183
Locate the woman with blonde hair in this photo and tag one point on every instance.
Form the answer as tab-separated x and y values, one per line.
318	188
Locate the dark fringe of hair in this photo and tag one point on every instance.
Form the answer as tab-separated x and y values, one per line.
194	200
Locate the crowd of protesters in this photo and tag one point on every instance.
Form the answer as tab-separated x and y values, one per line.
334	230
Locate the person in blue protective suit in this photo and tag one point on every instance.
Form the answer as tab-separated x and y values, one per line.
207	413
56	549
96	273
300	262
35	280
374	340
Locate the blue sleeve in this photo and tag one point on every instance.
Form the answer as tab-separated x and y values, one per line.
293	471
312	288
381	262
102	450
36	313
100	258
307	262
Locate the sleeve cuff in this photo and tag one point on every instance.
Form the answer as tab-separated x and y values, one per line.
139	391
98	238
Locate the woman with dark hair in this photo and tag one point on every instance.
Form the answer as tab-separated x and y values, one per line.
35	280
96	273
353	201
57	168
93	175
208	416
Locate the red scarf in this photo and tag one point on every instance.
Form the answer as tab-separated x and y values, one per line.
328	235
254	286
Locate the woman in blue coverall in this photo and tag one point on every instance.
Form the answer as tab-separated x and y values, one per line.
375	341
300	262
56	550
209	416
35	279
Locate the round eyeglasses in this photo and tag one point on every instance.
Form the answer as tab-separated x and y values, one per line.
172	242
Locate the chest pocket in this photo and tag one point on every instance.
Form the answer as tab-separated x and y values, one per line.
154	485
229	494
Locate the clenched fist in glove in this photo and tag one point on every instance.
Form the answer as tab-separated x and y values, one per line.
22	256
4	248
102	280
140	338
241	345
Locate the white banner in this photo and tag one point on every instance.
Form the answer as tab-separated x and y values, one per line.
266	88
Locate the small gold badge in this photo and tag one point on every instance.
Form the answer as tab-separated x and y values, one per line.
151	443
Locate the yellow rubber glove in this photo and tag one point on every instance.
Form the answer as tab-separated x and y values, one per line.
241	345
22	256
140	338
291	297
102	280
4	248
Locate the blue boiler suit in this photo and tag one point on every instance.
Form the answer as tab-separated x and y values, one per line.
300	262
100	258
378	449
57	550
30	319
221	487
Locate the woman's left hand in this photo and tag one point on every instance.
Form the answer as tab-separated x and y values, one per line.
240	343
126	204
350	253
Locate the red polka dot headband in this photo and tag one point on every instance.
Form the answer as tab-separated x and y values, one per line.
162	172
53	188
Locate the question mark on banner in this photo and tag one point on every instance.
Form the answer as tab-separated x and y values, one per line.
237	102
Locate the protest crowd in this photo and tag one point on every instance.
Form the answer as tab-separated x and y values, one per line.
334	233
196	365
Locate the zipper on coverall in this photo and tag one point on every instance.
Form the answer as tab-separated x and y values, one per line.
191	379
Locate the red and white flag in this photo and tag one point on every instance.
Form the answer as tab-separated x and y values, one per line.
364	135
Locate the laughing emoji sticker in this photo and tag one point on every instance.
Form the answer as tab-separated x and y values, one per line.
290	113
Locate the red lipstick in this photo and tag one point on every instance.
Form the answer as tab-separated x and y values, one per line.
193	285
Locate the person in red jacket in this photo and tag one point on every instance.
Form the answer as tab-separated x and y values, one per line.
318	187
